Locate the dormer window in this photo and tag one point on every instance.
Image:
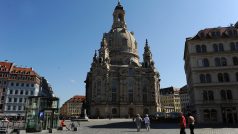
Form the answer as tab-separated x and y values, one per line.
216	34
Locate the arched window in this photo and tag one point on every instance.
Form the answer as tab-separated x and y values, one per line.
98	87
223	61
205	95
198	49
220	77
210	95
205	62
114	90
204	48
221	48
202	78
232	45
235	60
215	47
208	78
229	94
213	115
130	90
223	94
206	115
145	92
226	77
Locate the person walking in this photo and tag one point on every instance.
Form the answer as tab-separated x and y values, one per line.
191	122
182	123
138	121
147	122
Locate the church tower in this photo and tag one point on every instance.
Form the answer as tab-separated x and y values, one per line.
118	85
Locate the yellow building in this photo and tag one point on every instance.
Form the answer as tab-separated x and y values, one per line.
72	107
170	100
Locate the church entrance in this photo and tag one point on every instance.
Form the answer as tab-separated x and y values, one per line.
131	112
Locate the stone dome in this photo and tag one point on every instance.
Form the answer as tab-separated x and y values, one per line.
122	40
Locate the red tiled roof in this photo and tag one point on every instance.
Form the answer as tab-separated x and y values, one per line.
12	69
77	98
5	65
219	32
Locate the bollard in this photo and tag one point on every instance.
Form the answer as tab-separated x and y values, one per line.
18	131
50	130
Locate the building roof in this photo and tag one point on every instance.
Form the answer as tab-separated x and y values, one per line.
13	69
5	66
183	90
77	98
213	33
218	32
169	90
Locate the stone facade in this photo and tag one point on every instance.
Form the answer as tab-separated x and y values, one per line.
16	85
184	99
211	66
170	100
118	85
72	107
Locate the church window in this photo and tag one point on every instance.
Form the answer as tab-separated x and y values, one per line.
130	90
144	94
114	90
98	87
130	72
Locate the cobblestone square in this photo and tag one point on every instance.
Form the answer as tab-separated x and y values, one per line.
126	126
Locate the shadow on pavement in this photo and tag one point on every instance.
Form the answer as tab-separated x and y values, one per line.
132	125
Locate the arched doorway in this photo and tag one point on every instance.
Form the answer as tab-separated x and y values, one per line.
131	112
97	113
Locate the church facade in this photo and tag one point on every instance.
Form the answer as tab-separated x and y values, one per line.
118	84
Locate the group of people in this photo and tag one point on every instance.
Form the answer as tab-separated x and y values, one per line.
139	120
191	121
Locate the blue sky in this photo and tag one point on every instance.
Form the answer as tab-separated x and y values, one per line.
58	37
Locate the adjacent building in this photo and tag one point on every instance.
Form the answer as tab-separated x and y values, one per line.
16	85
118	84
73	106
184	99
170	100
211	66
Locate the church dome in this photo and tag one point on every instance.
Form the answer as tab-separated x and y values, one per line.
122	40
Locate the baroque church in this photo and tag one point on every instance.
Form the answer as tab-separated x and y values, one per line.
118	84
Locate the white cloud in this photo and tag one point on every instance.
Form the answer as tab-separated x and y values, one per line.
72	81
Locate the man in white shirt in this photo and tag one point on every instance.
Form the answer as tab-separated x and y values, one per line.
147	122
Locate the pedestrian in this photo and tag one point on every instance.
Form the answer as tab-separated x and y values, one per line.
191	122
138	121
72	126
63	125
182	123
147	122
